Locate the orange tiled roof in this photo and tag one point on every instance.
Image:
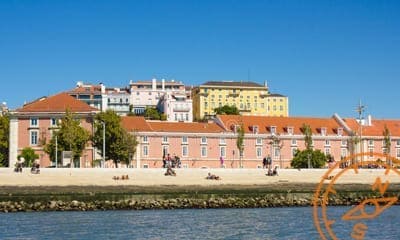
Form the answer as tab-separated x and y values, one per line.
188	127
281	123
57	103
377	127
134	123
90	89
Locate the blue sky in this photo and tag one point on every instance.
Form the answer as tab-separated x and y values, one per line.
324	55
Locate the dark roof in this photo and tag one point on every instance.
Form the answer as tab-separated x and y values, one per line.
275	95
232	84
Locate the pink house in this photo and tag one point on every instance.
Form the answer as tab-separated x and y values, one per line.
33	125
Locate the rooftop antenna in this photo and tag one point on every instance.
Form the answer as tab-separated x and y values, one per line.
360	110
248	74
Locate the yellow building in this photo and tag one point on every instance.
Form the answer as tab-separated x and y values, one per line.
249	97
277	105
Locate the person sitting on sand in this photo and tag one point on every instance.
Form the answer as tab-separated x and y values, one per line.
170	171
213	177
275	171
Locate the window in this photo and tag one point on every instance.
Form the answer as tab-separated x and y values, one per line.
53	122
397	153
146	150
327	151
176	117
343	153
281	108
259	141
255	129
370	142
184	140
145	139
397	142
165	139
203	140
34	122
145	165
273	129
165	150
294	142
185	151
340	131
274	107
327	143
290	130
323	131
277	151
384	151
259	152
187	117
34	138
222	151
371	152
205	105
203	151
294	150
262	105
344	143
222	141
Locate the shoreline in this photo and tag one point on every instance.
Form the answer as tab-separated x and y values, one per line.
94	189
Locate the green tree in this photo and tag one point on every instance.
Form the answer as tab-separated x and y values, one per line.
387	143
239	143
307	136
29	155
227	110
316	158
131	113
70	137
4	140
152	113
120	145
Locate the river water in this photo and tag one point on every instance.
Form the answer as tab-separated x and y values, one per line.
260	223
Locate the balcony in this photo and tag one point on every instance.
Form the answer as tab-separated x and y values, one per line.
204	94
181	109
233	94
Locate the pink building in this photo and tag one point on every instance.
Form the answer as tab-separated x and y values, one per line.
33	125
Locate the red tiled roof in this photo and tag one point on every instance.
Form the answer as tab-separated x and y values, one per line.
91	89
188	127
281	123
377	127
57	103
134	123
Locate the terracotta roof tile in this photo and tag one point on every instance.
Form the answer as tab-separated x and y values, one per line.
57	103
281	123
377	127
188	127
134	123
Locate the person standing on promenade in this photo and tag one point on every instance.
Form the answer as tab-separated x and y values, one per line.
221	161
264	162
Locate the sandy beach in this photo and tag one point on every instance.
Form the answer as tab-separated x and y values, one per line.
185	177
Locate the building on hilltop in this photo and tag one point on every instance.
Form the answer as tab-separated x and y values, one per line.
249	97
94	95
169	97
33	124
277	105
118	100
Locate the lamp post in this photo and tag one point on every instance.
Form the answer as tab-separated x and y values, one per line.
104	143
56	152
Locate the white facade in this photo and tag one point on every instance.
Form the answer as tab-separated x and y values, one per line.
177	107
149	93
118	100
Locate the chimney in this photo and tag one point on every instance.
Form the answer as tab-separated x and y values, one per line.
163	84
154	84
369	120
103	88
